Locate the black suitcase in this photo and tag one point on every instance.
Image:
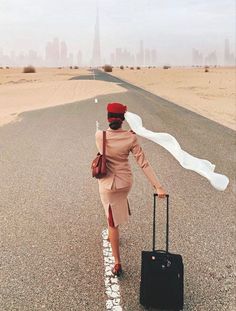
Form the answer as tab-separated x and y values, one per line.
162	274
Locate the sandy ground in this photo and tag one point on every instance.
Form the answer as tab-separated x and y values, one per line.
16	76
211	94
21	92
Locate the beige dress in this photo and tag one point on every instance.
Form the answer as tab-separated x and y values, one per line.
114	187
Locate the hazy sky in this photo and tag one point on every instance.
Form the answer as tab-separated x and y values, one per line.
173	27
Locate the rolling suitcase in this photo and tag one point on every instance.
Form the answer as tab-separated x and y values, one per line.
162	274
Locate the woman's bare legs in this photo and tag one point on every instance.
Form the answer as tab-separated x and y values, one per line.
114	239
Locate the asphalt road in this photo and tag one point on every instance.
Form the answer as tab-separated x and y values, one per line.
51	217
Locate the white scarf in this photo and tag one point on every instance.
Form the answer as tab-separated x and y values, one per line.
186	160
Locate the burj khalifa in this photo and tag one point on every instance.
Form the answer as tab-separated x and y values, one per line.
96	56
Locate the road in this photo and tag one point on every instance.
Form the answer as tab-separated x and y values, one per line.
51	217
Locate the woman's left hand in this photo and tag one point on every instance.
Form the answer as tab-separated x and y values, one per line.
161	192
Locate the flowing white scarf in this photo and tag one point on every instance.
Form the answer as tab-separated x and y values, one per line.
186	160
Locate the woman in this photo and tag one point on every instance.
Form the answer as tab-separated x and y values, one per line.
115	186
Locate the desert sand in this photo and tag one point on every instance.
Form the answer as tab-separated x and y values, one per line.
16	76
47	87
211	94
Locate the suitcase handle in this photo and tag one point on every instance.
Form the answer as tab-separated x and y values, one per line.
154	222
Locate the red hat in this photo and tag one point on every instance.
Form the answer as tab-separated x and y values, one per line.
116	108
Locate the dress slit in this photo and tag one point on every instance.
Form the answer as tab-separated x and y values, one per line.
129	211
110	218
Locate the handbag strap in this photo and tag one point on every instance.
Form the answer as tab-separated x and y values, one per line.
104	144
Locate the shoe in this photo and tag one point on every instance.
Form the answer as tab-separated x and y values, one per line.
117	270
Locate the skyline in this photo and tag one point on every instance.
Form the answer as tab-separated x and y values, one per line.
161	27
57	55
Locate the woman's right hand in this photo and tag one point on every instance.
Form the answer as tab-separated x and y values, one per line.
161	192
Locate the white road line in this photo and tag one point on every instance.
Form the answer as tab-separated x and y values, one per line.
95	100
111	282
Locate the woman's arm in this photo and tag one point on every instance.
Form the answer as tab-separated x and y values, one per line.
146	167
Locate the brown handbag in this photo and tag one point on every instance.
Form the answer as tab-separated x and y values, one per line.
99	168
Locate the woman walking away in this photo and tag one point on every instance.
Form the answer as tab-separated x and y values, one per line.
115	186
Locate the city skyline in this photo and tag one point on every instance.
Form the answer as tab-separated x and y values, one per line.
172	28
57	54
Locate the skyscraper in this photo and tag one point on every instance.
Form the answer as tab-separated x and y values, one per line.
153	57
197	58
140	55
96	57
227	52
55	52
147	57
229	57
52	53
211	59
48	54
79	58
63	54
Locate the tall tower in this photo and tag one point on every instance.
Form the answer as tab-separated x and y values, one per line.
63	54
227	53
55	52
96	57
141	53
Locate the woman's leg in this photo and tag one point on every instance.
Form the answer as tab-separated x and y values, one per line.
114	239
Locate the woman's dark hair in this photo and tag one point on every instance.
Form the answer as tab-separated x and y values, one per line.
115	124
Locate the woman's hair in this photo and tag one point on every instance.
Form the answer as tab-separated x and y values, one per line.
115	120
115	125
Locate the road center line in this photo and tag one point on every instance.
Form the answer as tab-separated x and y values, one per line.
111	282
